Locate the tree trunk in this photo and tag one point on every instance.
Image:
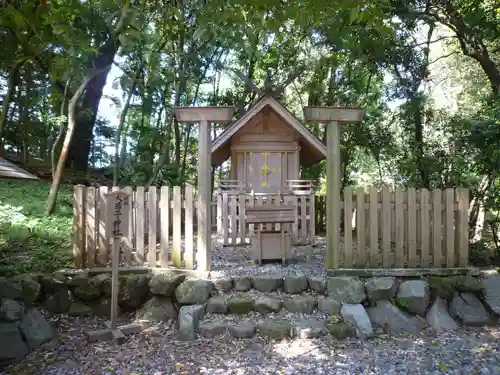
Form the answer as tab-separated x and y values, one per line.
11	88
86	116
72	123
119	131
24	113
60	133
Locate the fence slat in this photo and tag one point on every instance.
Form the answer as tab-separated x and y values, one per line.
164	225
140	216
234	227
219	214
102	255
152	214
225	218
412	228
177	235
424	228
386	227
360	226
79	226
241	219
90	227
436	228
303	220
449	202
295	224
373	219
348	250
188	228
312	220
400	227
463	226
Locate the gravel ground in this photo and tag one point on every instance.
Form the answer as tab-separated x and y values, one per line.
229	261
156	351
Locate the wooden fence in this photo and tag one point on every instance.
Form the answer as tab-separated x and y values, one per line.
231	222
394	229
161	230
405	228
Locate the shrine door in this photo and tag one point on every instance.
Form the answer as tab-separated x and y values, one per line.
264	171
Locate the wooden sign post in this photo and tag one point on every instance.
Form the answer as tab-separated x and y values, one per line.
117	225
333	116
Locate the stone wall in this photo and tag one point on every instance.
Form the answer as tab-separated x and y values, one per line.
395	304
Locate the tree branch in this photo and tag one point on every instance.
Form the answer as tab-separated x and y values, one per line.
443	57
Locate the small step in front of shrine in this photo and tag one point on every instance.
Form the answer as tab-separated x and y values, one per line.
307	307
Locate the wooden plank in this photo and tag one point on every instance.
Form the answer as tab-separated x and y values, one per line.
449	227
373	217
188	228
312	220
463	226
128	241
271	208
287	201
386	228
219	213
303	220
259	217
90	227
164	224
259	202
241	218
225	218
277	203
140	218
176	229
348	250
79	215
425	259
152	214
360	227
295	225
102	255
412	228
249	202
233	214
268	200
437	234
399	220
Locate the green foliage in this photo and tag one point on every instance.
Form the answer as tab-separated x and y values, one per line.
375	55
30	241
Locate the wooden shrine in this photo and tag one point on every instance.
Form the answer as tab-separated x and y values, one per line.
267	147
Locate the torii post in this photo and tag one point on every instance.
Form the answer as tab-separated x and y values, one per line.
204	116
333	117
